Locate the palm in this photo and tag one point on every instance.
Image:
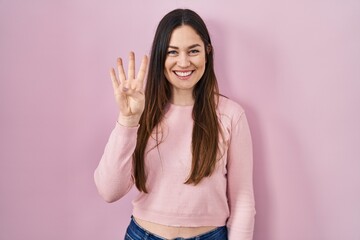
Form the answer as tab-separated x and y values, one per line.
128	91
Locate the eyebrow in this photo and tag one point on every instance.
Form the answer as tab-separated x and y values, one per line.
191	46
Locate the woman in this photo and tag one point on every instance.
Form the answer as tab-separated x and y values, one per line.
186	148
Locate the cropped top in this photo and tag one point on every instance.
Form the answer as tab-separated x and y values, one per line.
224	198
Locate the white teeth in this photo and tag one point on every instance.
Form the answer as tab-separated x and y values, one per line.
183	74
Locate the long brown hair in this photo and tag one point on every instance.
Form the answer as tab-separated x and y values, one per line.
158	92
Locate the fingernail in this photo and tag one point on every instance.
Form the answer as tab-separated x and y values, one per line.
125	89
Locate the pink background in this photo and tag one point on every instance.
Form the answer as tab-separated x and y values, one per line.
293	65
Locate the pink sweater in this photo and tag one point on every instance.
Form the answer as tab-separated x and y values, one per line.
224	198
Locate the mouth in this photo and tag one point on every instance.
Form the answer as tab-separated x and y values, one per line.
183	74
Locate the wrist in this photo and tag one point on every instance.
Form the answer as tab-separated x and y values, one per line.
128	121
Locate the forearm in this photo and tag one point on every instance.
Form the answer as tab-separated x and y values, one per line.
113	176
240	183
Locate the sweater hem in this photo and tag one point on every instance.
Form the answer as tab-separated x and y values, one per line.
177	220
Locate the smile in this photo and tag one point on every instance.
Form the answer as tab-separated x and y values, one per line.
183	74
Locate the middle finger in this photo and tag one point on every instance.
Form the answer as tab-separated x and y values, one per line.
131	67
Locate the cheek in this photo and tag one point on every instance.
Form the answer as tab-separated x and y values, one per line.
201	61
166	73
167	69
168	65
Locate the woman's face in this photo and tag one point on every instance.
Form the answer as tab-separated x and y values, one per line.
185	60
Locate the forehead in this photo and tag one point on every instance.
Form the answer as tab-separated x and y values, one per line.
185	36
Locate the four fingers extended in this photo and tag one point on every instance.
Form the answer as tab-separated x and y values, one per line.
131	83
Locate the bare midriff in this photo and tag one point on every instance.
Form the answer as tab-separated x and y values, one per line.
171	232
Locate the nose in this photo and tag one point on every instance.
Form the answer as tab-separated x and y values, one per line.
183	61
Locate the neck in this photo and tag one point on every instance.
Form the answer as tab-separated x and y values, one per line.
182	99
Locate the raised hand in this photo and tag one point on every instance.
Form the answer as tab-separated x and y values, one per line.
129	94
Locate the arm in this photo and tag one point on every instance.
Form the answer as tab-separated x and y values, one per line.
240	184
113	176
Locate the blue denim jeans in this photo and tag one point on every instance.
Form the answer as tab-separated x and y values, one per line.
135	232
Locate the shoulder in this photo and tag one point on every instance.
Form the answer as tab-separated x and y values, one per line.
228	108
230	114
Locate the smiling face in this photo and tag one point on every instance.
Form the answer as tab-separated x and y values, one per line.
185	62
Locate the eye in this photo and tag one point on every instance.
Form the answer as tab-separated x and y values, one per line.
172	52
194	52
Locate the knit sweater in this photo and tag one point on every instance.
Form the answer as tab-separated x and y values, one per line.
224	198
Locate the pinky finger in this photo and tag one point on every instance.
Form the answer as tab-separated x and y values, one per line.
115	82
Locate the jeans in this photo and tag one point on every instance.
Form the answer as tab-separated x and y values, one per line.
135	232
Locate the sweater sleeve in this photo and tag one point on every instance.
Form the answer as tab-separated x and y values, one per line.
113	176
240	184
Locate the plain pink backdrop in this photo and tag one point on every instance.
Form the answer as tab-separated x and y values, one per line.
293	65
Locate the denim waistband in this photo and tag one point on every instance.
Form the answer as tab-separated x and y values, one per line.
136	232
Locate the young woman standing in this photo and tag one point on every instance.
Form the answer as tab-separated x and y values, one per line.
187	148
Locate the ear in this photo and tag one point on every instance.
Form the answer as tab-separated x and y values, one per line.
208	48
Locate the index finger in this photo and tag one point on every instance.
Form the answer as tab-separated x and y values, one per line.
142	70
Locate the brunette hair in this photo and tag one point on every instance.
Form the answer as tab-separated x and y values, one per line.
158	92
